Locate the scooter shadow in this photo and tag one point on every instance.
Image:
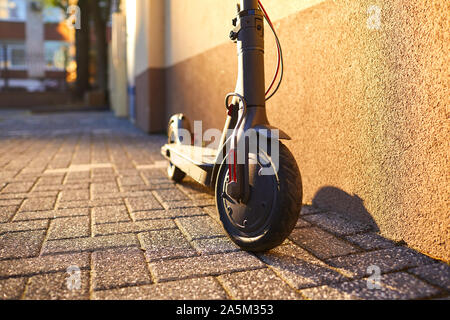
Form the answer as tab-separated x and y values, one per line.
333	199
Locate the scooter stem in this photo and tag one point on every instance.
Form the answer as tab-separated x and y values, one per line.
250	49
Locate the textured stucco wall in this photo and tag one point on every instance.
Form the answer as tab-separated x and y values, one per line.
367	109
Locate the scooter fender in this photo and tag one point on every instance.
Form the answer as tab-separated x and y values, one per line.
266	130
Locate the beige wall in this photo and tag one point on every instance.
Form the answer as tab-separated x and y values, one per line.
137	37
367	109
192	27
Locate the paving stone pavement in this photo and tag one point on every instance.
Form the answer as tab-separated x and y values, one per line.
89	191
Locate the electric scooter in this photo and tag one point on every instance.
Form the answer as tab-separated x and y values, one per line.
257	183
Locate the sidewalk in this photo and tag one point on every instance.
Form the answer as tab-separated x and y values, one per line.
89	191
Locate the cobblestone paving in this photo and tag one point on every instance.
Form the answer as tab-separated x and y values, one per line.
89	191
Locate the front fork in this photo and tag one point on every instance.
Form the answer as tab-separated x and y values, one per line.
248	106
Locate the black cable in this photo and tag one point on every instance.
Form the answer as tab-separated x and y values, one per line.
280	52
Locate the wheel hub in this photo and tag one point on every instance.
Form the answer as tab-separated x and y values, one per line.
253	216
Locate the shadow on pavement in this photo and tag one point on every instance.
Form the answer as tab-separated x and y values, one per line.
337	200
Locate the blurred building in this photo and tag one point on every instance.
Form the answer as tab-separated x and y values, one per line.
36	46
364	97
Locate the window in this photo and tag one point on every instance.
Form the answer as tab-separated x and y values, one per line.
56	54
53	15
17	56
13	10
14	55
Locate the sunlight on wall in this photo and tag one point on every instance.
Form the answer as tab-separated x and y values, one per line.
131	40
193	27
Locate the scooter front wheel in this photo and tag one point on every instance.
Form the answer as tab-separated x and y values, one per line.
273	208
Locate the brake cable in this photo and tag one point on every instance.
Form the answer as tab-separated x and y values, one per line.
280	63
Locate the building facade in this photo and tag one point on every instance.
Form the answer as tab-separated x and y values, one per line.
36	46
364	97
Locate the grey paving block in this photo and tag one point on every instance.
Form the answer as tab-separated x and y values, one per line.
73	227
117	268
53	179
260	284
199	227
10	202
89	244
12	288
299	268
394	286
151	186
42	264
104	188
104	179
171	195
90	204
74	195
308	209
204	202
194	189
131	180
26	176
132	194
6	213
178	204
387	260
15	187
301	223
149	203
8	174
214	245
337	223
81	175
110	214
212	212
167	214
133	227
23	226
52	214
321	243
38	204
154	174
128	170
204	266
57	187
21	244
370	241
42	194
165	244
190	289
437	274
54	286
103	172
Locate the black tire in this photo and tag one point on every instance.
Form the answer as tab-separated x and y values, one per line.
275	220
173	172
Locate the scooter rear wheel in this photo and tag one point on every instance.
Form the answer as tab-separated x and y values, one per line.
173	172
273	209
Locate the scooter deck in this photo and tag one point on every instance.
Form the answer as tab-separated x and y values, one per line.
196	162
